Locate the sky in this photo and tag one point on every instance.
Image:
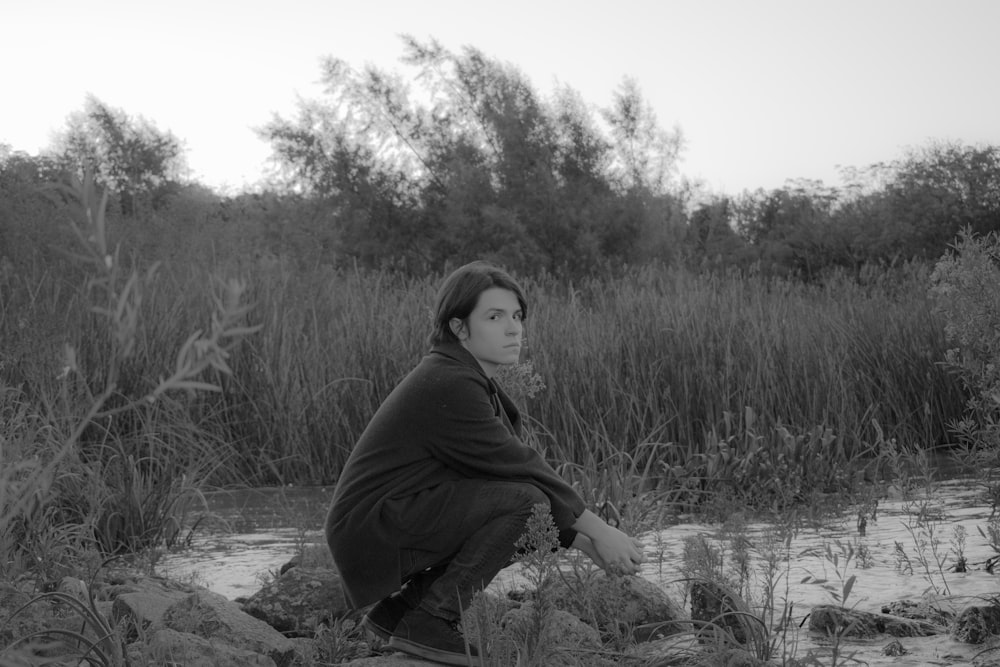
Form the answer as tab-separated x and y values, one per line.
762	90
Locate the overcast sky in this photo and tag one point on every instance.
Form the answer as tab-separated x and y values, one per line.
763	90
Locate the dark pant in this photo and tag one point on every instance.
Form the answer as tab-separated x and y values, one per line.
456	537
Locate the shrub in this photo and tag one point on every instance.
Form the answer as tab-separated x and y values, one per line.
966	288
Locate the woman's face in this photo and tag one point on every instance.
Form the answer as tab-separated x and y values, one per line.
492	332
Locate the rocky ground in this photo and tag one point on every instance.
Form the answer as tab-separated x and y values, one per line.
299	619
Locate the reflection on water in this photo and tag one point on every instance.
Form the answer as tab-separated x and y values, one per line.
264	529
249	533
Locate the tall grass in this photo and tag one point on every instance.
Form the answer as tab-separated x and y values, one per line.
654	371
666	356
102	455
657	363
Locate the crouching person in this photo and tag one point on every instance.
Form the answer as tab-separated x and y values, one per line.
439	487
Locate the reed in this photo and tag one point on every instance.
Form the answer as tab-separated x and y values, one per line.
696	386
650	372
107	454
668	355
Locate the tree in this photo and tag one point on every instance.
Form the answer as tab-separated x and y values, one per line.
29	217
477	165
942	188
711	239
130	156
787	228
645	155
913	207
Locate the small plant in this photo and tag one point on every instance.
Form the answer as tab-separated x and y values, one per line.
538	547
903	563
992	536
624	487
734	530
840	591
864	556
485	624
931	557
775	554
97	641
521	380
340	643
702	559
958	548
724	611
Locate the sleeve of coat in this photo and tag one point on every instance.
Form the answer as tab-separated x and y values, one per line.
471	438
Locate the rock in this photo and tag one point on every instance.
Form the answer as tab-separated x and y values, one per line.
619	606
985	659
907	627
672	650
485	615
831	620
170	647
212	616
299	601
679	651
391	660
559	636
977	624
722	616
29	619
919	611
168	623
730	657
139	606
894	648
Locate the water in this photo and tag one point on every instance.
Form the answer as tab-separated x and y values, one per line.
248	535
255	532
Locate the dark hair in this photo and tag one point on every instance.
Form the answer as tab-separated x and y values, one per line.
459	294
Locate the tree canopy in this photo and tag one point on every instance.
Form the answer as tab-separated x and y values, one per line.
460	157
477	163
129	155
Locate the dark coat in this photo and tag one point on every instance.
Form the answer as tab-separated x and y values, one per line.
445	421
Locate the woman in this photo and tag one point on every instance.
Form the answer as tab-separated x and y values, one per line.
439	488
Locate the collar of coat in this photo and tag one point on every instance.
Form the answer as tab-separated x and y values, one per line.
503	406
458	353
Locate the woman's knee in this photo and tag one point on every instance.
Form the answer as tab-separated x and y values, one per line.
529	496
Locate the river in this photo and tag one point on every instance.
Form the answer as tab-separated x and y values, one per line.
908	551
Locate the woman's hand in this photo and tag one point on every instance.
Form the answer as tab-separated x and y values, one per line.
611	549
620	553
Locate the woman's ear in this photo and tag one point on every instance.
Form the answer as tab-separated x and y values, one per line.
457	328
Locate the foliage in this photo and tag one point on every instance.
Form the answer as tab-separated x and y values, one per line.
712	242
787	228
536	549
87	463
97	642
130	156
887	214
671	362
484	167
645	156
943	188
965	286
646	375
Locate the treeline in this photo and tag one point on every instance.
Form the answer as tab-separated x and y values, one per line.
888	214
476	163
